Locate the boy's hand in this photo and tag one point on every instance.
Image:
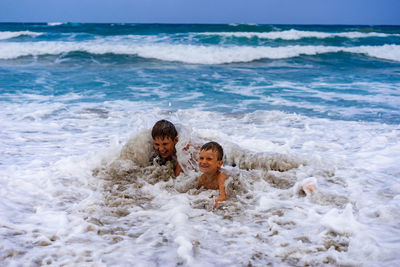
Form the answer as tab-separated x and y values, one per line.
219	199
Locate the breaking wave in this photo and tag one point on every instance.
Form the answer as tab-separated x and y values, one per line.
297	35
9	35
192	54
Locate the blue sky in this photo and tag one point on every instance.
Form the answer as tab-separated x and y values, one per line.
371	12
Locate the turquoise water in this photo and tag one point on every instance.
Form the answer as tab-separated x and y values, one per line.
336	72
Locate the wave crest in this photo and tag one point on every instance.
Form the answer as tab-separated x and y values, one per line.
297	35
9	35
192	54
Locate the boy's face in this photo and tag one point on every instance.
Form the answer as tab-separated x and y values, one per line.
208	161
165	147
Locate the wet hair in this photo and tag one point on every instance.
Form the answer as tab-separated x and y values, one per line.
214	146
164	128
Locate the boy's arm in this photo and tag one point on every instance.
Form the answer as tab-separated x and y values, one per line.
221	186
178	170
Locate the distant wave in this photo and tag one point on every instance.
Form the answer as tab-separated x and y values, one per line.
243	24
297	35
190	53
55	23
9	35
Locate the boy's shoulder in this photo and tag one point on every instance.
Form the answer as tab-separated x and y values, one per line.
200	181
221	176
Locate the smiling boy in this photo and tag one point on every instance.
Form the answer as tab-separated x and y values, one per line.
210	162
165	138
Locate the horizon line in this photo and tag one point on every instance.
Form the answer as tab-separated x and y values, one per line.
195	23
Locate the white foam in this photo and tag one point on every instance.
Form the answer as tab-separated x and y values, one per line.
194	54
56	212
297	35
55	23
341	222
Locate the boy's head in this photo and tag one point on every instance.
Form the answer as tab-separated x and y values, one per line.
164	128
165	138
210	159
214	146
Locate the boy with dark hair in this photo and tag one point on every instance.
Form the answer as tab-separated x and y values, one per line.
210	162
165	137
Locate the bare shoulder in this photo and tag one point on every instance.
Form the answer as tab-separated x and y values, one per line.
221	176
200	181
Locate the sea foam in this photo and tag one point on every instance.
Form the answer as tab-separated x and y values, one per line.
297	35
96	205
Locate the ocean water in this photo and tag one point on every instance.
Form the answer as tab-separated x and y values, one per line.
291	105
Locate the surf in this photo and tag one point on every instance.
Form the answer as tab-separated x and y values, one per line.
190	54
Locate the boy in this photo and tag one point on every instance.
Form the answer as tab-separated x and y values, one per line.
165	138
210	162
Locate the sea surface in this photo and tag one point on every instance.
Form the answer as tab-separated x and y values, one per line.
294	107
